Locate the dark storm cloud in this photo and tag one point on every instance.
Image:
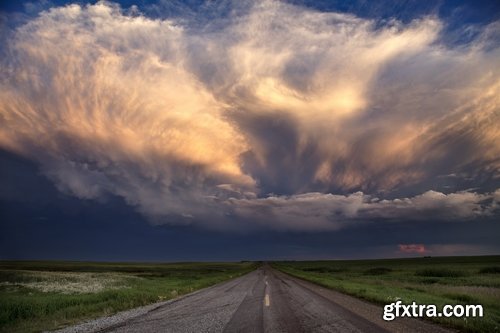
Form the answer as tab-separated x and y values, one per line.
266	116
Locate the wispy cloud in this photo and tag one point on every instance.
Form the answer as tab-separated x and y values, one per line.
197	124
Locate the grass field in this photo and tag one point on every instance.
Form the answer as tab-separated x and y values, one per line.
39	295
440	280
36	296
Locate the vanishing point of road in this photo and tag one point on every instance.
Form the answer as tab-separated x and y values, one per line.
266	300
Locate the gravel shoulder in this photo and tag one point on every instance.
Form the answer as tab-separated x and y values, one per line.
121	318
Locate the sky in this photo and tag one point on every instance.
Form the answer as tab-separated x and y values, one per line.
249	130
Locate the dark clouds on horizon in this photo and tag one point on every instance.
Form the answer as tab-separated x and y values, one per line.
259	115
39	222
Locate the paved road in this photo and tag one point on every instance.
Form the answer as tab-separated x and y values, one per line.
268	301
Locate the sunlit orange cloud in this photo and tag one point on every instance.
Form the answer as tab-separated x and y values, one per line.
412	248
191	125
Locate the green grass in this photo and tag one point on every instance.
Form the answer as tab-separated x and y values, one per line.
440	280
43	295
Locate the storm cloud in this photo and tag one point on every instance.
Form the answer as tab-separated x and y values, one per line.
275	116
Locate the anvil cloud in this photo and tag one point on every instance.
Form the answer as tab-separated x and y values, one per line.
275	117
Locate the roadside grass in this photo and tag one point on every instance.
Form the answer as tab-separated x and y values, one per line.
45	295
439	280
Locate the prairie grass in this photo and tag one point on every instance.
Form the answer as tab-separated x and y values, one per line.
439	272
490	270
37	296
440	281
64	282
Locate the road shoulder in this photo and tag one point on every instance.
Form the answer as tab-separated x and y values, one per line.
367	310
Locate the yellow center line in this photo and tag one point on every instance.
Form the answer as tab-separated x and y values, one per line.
267	300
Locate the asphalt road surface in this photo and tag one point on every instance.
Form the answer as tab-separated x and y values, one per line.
264	300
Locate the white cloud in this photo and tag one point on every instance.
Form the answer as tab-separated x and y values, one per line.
317	211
